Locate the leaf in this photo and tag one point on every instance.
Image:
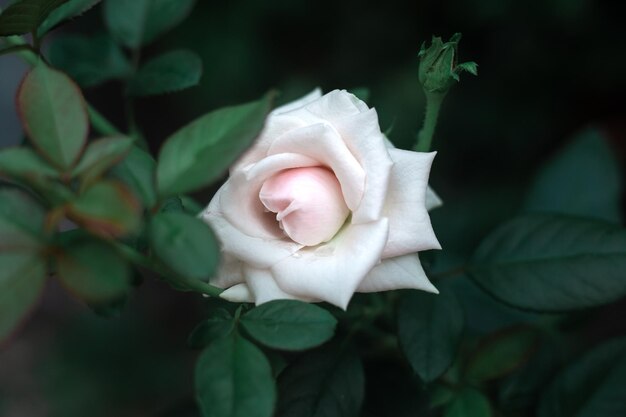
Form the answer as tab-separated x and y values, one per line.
219	325
101	155
22	263
200	152
429	331
185	244
106	209
469	403
169	72
137	171
139	22
93	271
24	163
26	15
54	115
234	379
69	10
322	383
90	61
583	179
501	353
289	324
552	263
591	386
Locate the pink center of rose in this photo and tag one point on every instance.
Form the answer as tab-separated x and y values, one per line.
308	203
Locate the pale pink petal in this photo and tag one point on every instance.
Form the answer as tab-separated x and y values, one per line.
362	135
432	199
239	197
323	143
401	272
264	287
239	293
336	105
332	271
229	272
409	223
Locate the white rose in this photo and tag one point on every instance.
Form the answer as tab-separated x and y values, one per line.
323	206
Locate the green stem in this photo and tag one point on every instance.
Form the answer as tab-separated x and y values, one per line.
425	135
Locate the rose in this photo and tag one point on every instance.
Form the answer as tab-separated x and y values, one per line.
321	206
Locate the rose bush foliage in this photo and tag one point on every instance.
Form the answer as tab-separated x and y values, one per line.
323	206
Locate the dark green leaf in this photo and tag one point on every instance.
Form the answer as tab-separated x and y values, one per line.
469	403
23	163
234	379
501	353
69	10
185	244
89	60
322	383
138	22
289	324
584	179
591	386
429	330
190	205
137	171
552	263
101	155
21	221
219	325
93	271
200	152
25	16
54	115
172	71
106	209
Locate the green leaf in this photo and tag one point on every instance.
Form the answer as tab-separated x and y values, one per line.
90	61
289	324
93	271
583	179
139	22
501	353
137	171
54	115
591	386
107	209
69	10
190	205
185	244
101	155
219	325
429	331
322	383
469	403
24	163
25	16
169	72
200	152
552	263
234	379
22	263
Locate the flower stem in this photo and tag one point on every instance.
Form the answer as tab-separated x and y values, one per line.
426	133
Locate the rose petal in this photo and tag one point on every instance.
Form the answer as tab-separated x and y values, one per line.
229	272
278	122
239	198
331	272
401	272
362	135
239	293
432	199
410	230
336	105
323	143
255	251
264	287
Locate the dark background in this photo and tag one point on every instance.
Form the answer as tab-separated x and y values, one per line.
547	69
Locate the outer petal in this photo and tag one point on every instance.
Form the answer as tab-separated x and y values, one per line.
363	137
397	273
323	143
432	199
229	272
239	293
336	105
331	272
239	197
264	287
409	224
255	251
278	122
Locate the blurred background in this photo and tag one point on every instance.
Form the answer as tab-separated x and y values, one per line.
547	70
